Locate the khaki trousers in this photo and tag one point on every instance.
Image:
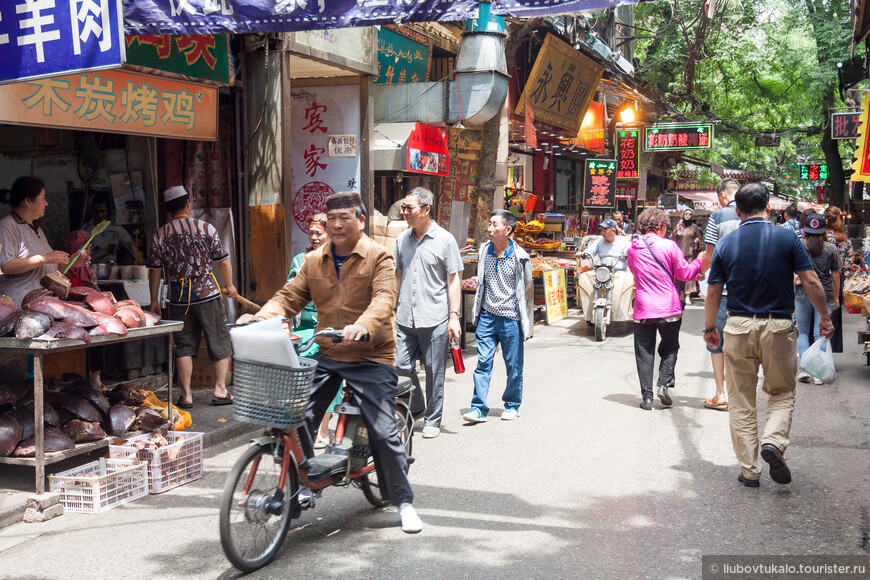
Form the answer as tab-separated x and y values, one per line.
771	343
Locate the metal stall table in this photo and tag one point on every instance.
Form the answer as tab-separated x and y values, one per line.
40	348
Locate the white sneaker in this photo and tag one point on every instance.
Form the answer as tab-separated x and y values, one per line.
431	432
411	522
510	414
803	377
818	381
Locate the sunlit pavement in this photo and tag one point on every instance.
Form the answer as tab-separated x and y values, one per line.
583	485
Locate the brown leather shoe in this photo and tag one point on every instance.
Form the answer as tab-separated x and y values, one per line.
748	482
779	471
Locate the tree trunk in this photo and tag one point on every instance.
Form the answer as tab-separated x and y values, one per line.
486	183
836	183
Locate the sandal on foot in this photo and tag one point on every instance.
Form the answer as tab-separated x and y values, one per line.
182	405
718	403
227	400
321	442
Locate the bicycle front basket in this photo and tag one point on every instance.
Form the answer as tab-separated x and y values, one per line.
271	395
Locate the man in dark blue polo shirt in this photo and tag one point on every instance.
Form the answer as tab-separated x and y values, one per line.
758	262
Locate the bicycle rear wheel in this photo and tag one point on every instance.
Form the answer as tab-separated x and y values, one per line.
369	484
253	524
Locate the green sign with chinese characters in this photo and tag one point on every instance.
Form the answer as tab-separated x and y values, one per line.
400	59
204	56
814	171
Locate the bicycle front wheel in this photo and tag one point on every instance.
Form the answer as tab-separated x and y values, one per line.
255	514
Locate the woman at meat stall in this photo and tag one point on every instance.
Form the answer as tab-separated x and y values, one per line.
25	254
81	273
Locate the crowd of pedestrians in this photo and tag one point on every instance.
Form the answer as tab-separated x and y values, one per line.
409	306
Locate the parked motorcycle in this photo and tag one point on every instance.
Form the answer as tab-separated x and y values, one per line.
606	295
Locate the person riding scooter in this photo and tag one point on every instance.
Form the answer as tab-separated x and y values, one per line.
610	246
608	250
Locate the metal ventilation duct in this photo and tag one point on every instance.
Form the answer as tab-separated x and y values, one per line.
476	93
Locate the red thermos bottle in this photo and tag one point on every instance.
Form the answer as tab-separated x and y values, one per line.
456	353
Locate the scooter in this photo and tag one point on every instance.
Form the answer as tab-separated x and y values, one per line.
605	295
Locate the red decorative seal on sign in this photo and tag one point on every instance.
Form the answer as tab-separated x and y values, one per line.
309	200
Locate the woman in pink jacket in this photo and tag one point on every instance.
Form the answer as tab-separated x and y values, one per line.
656	263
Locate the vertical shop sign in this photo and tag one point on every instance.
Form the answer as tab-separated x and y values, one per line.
628	153
320	115
599	190
591	133
861	166
531	135
400	59
426	151
555	294
41	38
463	146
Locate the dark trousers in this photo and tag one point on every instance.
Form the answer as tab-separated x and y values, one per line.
644	351
375	388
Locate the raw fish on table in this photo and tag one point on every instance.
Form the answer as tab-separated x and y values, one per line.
55	440
83	431
10	434
98	331
6	310
126	395
78	406
68	312
65	330
150	318
131	316
25	324
110	323
89	391
33	295
121	418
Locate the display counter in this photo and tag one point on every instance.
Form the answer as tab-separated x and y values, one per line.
40	348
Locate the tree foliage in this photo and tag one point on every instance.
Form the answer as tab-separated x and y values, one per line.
757	66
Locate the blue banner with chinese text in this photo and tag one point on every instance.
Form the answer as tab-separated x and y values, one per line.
246	16
40	38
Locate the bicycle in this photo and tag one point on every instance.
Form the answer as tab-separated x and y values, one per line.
261	495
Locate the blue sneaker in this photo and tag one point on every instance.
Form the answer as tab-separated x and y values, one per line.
475	415
510	414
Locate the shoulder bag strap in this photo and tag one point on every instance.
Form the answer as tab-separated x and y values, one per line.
662	266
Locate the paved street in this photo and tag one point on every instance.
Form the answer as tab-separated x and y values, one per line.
583	485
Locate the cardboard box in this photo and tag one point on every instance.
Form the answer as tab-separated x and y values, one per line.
395	228
203	371
388	243
379	225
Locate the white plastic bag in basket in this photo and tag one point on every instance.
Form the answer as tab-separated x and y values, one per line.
265	342
818	360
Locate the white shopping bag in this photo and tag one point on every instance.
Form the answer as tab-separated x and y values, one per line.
818	360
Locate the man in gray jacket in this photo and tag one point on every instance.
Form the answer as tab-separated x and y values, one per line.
504	274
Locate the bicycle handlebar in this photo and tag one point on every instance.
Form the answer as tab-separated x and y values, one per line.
331	333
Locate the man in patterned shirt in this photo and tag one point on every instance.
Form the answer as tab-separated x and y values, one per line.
185	248
504	274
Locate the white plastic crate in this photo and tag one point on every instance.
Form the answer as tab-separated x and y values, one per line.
100	485
178	463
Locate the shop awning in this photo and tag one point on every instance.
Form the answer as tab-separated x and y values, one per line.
388	143
699	195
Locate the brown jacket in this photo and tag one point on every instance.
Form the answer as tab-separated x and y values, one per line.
365	295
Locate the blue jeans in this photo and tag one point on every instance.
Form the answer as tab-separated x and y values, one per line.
492	330
805	316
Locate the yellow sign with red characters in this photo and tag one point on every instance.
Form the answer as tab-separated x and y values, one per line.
862	155
555	294
114	101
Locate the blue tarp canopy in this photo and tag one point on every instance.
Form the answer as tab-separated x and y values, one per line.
247	16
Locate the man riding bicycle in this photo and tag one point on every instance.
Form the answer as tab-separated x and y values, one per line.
352	283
